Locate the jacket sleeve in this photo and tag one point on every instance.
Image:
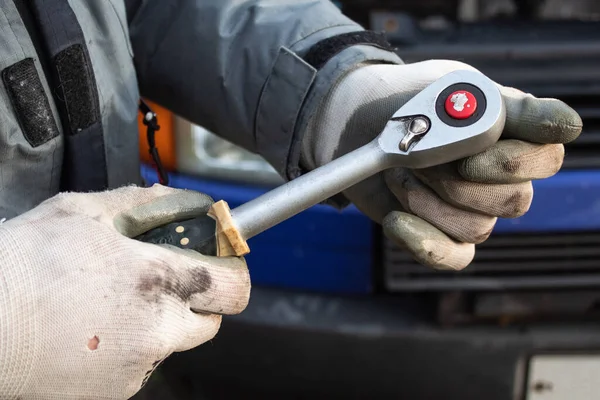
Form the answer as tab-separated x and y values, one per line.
235	67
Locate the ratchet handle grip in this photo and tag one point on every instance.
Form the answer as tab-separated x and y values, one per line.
197	234
213	234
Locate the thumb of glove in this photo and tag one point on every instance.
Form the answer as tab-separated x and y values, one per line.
428	245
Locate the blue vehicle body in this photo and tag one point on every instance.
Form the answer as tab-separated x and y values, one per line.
329	251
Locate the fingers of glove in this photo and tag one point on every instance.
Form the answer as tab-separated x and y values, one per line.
181	329
504	201
416	198
373	198
539	120
513	161
428	245
198	329
219	285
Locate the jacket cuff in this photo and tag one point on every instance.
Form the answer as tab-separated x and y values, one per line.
295	88
279	106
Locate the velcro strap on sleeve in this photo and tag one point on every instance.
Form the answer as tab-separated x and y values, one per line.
323	51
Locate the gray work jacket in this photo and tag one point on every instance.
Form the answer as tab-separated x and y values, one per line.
235	67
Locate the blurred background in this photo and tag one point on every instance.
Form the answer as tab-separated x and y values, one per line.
338	312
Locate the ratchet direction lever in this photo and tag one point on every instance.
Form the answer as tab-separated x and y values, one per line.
459	115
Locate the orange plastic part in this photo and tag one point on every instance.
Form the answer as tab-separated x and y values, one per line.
165	137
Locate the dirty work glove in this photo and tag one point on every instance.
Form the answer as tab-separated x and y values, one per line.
438	214
86	312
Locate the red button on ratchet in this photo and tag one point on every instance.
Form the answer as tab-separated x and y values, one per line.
461	104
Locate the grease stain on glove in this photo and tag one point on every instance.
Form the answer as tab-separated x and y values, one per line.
513	161
428	245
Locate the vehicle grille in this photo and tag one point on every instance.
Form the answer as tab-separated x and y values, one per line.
504	262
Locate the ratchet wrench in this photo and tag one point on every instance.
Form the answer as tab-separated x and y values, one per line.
459	115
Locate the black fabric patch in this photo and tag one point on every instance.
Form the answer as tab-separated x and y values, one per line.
323	51
30	102
73	86
77	88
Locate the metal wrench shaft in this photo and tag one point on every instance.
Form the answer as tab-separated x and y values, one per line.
279	204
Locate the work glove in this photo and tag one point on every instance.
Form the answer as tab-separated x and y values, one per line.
86	312
438	214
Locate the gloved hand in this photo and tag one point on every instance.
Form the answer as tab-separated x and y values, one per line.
88	313
438	214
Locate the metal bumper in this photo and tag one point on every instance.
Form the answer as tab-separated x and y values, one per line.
293	345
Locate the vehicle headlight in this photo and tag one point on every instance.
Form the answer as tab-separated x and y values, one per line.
202	153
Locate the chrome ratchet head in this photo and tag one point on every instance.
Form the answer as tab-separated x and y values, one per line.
457	116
